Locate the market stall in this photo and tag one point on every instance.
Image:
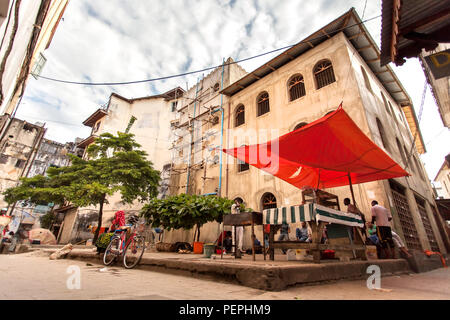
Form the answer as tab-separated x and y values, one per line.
316	216
329	152
243	219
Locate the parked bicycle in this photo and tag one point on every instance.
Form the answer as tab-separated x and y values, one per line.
131	248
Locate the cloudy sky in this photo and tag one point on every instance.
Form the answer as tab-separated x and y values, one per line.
115	40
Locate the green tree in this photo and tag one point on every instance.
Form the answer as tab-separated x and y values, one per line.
186	211
114	164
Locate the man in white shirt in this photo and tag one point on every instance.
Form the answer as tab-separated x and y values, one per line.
236	209
382	216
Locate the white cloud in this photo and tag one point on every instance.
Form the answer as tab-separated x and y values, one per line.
113	40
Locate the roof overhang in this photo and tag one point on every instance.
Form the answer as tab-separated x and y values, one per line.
86	142
413	124
410	26
352	27
93	118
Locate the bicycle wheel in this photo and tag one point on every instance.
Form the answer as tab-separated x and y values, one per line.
111	251
133	252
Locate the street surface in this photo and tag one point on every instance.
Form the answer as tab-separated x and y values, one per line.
33	276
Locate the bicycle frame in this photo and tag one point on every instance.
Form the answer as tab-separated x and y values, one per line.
122	244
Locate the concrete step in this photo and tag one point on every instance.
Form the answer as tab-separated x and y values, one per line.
265	275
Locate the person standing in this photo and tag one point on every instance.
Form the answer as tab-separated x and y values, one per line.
239	230
284	234
382	216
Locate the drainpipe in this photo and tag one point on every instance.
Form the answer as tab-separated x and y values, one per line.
192	137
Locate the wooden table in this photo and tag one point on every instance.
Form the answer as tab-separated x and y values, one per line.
243	219
316	217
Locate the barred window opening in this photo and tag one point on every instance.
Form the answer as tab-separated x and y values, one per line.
296	87
240	116
323	72
263	103
268	201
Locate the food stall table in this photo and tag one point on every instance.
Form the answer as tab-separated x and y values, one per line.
316	216
243	219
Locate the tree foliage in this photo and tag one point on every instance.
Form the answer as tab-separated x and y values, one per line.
114	164
47	220
185	211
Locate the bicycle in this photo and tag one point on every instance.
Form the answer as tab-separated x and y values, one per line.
131	249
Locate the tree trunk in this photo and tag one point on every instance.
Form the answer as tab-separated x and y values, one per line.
100	217
198	233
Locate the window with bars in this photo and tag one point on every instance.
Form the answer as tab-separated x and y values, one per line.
296	87
239	117
268	201
406	220
263	103
323	73
427	224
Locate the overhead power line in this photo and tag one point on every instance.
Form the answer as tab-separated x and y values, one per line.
196	71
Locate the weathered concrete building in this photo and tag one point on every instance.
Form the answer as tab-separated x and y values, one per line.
19	145
53	154
149	119
338	63
27	29
443	177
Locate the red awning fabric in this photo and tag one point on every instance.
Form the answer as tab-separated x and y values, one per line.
322	154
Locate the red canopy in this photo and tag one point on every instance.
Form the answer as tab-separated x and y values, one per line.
322	154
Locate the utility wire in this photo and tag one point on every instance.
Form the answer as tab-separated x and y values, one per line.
196	71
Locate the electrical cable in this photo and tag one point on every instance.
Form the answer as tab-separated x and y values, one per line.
197	71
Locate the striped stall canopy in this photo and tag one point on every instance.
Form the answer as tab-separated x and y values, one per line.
310	212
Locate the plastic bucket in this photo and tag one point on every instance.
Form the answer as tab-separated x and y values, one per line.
198	247
209	249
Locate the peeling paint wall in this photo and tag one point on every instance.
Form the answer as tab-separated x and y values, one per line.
17	148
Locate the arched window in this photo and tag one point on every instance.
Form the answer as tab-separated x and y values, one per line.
382	135
300	125
296	87
239	117
268	201
392	111
323	72
366	80
263	103
385	103
400	150
242	166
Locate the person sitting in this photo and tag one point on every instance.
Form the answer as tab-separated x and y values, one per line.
303	234
351	208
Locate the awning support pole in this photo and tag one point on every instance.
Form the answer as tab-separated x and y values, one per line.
351	188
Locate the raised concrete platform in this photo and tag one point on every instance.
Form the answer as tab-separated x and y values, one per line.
265	275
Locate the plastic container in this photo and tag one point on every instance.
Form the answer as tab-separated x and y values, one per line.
198	247
209	249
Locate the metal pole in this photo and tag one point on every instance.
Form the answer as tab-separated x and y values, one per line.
221	133
351	188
